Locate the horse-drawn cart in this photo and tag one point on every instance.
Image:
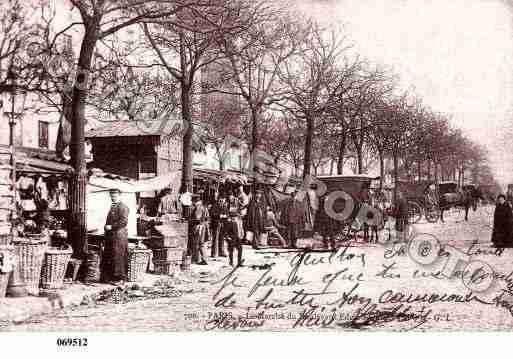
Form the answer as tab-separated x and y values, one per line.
422	200
346	205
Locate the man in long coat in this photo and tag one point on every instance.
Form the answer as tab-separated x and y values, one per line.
115	253
294	218
256	217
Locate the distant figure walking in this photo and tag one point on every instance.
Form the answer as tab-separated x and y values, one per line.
502	224
402	217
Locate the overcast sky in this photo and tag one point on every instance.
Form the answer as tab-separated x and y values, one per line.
457	54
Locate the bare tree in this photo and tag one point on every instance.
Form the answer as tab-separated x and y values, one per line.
338	119
373	86
221	124
255	57
100	19
18	29
311	81
192	40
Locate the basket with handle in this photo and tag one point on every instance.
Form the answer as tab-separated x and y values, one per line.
30	252
138	260
54	267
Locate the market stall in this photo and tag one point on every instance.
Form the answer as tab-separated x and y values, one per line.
41	194
166	236
39	209
208	181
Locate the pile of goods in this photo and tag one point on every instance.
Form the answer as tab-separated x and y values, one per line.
168	246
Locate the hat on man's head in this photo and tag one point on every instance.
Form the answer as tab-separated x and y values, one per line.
114	190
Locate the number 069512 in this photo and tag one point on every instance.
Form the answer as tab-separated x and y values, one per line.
72	342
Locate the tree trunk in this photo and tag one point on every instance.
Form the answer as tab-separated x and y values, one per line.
429	170
341	153
332	165
187	180
359	158
222	158
381	168
77	224
254	129
396	176
419	170
254	141
307	164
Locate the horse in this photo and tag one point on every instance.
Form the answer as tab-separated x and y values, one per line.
464	198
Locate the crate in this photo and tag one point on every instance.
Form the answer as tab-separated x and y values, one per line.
166	242
168	254
166	267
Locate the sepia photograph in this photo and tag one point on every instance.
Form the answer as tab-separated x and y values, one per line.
296	166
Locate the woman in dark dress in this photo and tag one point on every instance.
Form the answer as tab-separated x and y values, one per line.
502	224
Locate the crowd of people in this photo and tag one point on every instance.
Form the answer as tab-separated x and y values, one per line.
234	218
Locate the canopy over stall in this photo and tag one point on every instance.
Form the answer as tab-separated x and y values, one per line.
32	165
98	198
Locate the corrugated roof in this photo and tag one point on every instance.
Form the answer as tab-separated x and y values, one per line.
135	128
142	129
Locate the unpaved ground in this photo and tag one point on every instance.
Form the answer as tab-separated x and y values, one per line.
348	291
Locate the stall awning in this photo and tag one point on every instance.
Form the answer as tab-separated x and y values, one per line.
103	181
43	167
219	176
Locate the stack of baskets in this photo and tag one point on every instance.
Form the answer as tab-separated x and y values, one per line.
168	249
138	260
54	267
31	253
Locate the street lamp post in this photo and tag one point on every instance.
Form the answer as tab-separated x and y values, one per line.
17	105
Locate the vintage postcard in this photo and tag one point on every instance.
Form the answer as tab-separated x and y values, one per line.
255	166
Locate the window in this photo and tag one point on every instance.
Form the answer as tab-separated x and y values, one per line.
43	134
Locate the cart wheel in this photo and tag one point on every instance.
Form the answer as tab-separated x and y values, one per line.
414	211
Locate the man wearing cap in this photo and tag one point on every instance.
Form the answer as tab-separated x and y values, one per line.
198	222
115	254
294	217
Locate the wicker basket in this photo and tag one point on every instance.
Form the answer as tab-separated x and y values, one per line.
54	267
30	254
5	250
138	260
